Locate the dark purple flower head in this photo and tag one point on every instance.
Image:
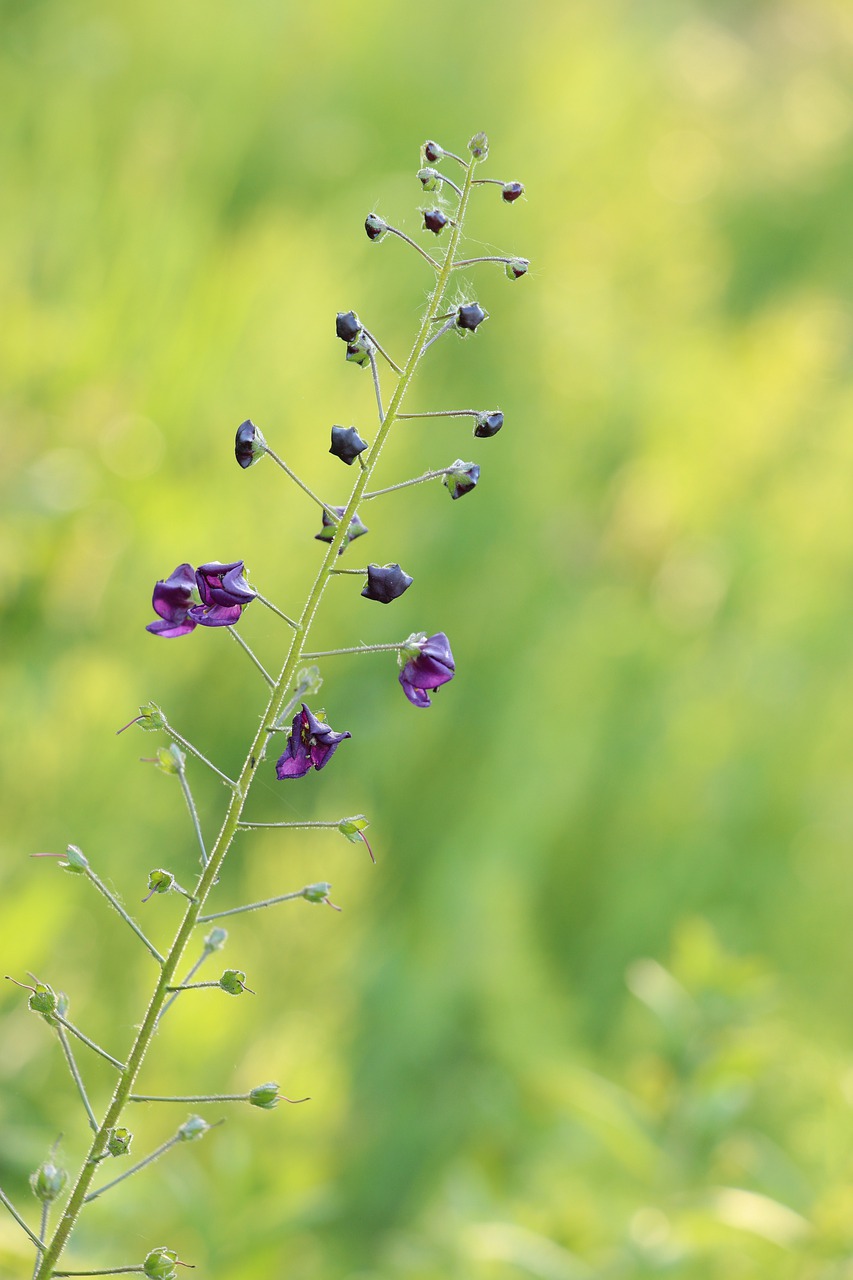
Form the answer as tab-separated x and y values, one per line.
426	662
511	191
432	151
249	444
517	267
327	533
347	326
375	226
172	600
435	220
479	146
461	478
311	745
214	595
470	316
386	582
488	424
347	444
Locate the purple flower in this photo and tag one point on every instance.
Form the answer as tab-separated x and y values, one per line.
327	533
470	316
426	663
172	600
386	582
347	326
311	745
461	478
347	444
249	444
214	595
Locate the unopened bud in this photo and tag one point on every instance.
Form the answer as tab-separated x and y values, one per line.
249	444
265	1096
488	424
48	1181
435	220
347	326
160	1264
479	146
432	152
170	759
511	191
430	179
234	982
470	316
461	478
347	444
118	1142
193	1129
75	860
216	939
159	881
375	226
517	267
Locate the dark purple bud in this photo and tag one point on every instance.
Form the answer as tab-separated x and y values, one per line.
327	533
347	444
375	226
249	444
435	220
488	424
470	316
461	478
172	600
430	179
311	745
426	662
511	191
347	326
432	152
517	267
479	146
224	594
386	582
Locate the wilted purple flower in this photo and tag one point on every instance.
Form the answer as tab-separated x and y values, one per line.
435	220
173	599
347	326
311	745
347	444
327	533
224	594
426	662
461	478
249	444
214	595
386	582
470	316
488	424
511	191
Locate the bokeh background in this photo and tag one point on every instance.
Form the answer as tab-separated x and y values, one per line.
589	1016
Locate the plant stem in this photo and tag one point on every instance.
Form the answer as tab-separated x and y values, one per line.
404	484
442	413
408	239
302	485
269	604
356	648
381	349
196	1097
4	1199
278	697
257	662
108	1271
155	1155
194	751
188	796
116	906
252	906
75	1031
371	355
45	1210
78	1079
328	825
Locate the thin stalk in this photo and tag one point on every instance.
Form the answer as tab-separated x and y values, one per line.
448	324
470	262
155	1155
358	572
278	697
107	1271
78	1079
188	796
193	971
45	1210
374	369
194	751
116	906
291	622
356	648
4	1199
194	1098
381	349
302	485
257	662
252	906
327	825
442	413
404	484
75	1031
452	184
408	239
197	986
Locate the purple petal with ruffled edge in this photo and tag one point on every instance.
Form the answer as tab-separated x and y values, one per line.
311	744
223	584
432	667
296	761
167	630
172	600
215	615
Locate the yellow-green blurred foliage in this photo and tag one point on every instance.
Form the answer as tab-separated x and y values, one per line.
645	764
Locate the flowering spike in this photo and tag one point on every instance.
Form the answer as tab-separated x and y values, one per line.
347	444
386	582
461	478
249	444
426	663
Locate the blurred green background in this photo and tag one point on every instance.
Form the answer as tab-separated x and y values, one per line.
589	1016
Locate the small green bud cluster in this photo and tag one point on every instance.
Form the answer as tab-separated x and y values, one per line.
48	1181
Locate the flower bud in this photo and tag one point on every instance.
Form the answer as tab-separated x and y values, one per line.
160	1263
327	533
430	179
308	680
347	326
488	424
249	444
317	892
347	444
386	582
265	1096
517	267
479	146
118	1142
75	860
43	999
375	226
159	881
510	191
470	316
432	152
359	350
234	982
193	1129
48	1181
216	939
435	220
461	478
170	759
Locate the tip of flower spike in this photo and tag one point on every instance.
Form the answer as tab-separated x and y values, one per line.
479	146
